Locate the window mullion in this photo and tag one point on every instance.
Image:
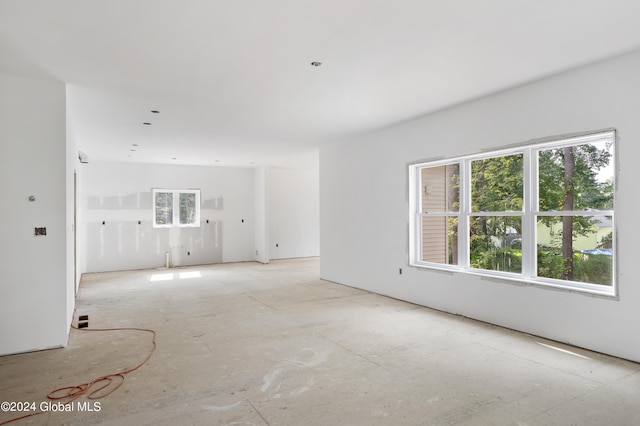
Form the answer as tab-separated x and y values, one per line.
463	219
414	218
530	206
176	208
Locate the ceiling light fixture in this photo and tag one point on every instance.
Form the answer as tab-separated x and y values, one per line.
316	63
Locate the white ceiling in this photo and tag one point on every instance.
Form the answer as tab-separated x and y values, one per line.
233	81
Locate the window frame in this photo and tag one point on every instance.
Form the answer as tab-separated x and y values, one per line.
529	214
175	208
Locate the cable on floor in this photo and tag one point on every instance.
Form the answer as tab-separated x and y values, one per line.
73	392
68	394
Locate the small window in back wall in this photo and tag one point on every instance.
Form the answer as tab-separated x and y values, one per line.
176	208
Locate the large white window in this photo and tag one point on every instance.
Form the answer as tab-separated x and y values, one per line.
176	208
541	213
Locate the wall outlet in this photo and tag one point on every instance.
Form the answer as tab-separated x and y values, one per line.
40	231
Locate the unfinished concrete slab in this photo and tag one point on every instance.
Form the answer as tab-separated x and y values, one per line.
254	344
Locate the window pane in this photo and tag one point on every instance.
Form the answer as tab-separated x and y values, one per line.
496	184
495	243
587	256
164	208
440	188
440	239
187	208
576	177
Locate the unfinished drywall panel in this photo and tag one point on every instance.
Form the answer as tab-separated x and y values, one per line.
293	212
369	175
118	216
33	182
261	235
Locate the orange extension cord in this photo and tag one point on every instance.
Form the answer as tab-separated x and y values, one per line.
71	393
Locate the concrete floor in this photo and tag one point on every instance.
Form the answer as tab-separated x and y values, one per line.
252	344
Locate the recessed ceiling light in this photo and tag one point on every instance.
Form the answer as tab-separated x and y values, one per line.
147	124
316	63
155	111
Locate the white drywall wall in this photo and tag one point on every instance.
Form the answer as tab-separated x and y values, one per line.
73	278
34	307
119	194
364	208
260	230
293	212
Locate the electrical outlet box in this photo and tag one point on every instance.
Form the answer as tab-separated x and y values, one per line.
40	232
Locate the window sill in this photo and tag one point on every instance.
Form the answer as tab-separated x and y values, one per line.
595	290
